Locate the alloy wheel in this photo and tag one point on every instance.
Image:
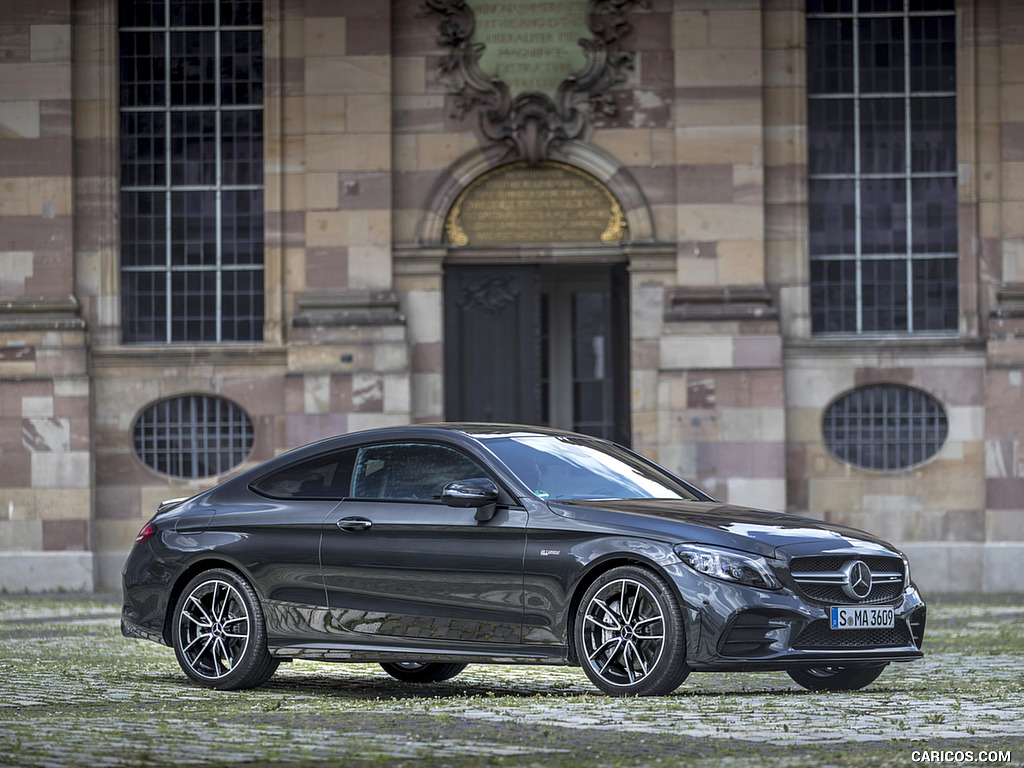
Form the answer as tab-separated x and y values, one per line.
214	629
623	632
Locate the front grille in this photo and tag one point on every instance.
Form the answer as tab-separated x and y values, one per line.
818	635
830	593
835	562
819	578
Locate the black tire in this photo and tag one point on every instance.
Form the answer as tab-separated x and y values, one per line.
416	672
629	634
219	634
836	678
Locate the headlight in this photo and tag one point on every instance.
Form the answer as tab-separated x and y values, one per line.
906	571
728	565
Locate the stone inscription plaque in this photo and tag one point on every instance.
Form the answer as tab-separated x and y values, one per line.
531	45
535	204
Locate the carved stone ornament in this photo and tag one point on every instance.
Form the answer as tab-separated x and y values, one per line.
491	296
532	123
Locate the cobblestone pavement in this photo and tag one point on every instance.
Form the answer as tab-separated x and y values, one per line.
74	692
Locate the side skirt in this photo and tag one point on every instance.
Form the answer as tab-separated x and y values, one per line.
478	653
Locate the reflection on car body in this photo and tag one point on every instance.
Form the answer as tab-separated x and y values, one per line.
428	548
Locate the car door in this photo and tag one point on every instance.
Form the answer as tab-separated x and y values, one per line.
397	562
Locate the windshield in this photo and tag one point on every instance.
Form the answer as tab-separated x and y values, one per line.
569	468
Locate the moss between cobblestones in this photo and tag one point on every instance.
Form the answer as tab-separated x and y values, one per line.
74	692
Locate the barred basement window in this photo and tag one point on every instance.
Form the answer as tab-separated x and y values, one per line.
191	136
193	436
885	427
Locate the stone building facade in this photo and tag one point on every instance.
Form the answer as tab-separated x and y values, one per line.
245	213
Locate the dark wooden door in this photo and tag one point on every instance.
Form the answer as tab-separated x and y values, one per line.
492	343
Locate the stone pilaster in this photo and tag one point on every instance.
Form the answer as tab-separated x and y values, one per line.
46	505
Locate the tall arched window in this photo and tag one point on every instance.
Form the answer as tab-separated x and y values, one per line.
191	122
882	166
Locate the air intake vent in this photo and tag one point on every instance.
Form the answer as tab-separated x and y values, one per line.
818	635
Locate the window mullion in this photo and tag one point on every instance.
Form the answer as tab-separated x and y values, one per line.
168	175
196	433
858	278
218	196
908	192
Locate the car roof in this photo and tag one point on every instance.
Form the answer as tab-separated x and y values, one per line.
459	432
486	429
464	430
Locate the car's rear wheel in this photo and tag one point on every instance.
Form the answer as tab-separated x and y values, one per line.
219	635
422	672
836	678
629	634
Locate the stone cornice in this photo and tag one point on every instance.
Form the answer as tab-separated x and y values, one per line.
845	346
720	303
1010	298
41	314
163	356
346	308
651	257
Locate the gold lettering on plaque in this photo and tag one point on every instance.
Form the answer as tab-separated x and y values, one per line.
547	203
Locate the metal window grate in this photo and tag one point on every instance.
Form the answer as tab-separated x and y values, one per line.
193	436
885	427
882	171
191	121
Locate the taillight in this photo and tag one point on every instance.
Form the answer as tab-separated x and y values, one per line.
147	530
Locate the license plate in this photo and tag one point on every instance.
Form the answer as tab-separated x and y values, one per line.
857	617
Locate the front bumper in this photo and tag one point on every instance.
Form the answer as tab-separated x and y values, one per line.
739	628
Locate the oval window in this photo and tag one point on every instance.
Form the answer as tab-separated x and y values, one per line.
193	436
885	427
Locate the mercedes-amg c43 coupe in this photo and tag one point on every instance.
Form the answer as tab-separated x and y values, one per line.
427	548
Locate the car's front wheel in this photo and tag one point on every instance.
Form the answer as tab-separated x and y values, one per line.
426	672
836	678
219	635
629	634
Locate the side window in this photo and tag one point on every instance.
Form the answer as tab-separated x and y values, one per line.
410	471
327	476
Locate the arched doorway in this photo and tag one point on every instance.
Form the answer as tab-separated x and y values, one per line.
536	301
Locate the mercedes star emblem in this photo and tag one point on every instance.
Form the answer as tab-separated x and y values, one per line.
858	580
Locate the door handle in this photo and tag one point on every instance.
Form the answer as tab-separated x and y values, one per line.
354	523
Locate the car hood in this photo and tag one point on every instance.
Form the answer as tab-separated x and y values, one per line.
751	530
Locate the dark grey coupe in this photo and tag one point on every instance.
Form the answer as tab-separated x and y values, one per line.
428	548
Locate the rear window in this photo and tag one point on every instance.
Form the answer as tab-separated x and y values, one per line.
326	476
